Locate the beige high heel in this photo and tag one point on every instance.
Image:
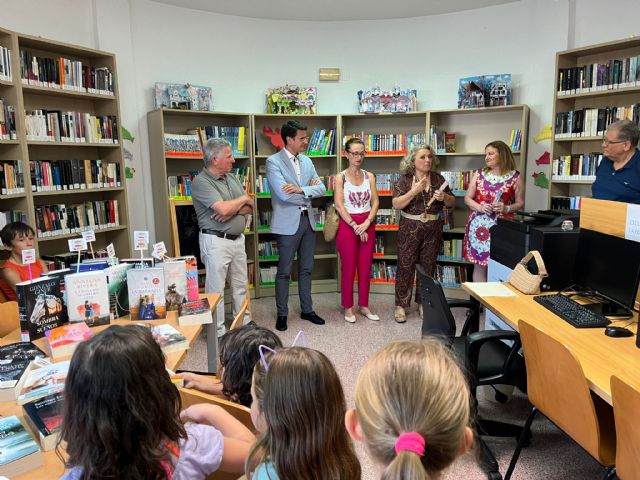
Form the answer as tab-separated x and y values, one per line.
370	316
399	315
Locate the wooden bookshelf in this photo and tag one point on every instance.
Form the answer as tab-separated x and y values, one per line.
25	97
587	98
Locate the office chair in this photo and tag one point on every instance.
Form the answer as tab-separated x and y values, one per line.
487	358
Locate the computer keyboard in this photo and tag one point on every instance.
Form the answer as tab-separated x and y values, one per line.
571	311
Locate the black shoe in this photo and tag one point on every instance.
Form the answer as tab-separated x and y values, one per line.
312	317
281	323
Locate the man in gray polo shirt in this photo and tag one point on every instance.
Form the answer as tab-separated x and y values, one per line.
221	206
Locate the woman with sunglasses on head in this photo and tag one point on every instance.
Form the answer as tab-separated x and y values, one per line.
419	196
357	203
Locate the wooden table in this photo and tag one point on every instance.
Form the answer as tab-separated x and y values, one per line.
600	356
52	468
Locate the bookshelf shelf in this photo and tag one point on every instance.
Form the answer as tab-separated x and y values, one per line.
455	230
26	98
573	92
468	154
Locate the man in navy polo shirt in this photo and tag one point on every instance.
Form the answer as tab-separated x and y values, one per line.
618	176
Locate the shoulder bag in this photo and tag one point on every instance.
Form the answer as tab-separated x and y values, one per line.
525	281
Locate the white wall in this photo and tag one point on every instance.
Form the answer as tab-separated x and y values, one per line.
241	57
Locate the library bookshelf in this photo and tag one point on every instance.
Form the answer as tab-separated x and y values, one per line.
588	79
98	141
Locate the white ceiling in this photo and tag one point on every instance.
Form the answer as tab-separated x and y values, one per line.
332	10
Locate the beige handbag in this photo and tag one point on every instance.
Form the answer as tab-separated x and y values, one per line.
331	224
525	281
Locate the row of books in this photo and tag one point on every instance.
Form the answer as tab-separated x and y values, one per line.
383	272
5	64
265	216
577	166
593	77
268	249
565	203
262	184
236	136
592	122
7	121
515	140
268	274
322	142
77	127
64	73
55	175
451	249
451	276
179	186
60	219
441	141
446	216
388	142
386	181
8	216
387	216
458	181
378	247
182	145
11	177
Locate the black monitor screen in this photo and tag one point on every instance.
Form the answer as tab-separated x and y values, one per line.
608	265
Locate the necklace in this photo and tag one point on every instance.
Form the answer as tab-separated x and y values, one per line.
424	199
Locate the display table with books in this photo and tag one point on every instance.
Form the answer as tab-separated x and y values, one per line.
51	466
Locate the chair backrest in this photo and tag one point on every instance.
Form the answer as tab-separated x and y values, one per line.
558	388
626	410
9	320
437	318
237	320
240	412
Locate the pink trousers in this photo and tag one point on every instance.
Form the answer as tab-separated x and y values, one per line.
355	255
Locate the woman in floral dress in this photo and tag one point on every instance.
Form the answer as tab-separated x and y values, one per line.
487	204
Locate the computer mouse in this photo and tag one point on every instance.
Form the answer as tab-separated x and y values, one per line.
617	332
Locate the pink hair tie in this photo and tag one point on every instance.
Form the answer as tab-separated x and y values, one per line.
410	442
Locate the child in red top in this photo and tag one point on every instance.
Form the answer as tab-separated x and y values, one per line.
16	237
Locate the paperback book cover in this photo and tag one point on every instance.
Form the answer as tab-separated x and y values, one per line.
195	312
169	339
44	418
19	452
146	293
117	286
40	381
63	340
88	297
87	266
175	281
191	264
14	360
40	307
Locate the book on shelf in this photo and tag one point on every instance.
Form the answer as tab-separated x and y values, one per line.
385	182
40	307
383	272
243	174
378	247
438	139
89	265
11	177
268	274
458	181
515	140
145	262
387	143
195	312
88	297
8	129
262	185
175	281
566	202
595	77
62	219
117	288
146	293
14	360
450	142
71	127
451	249
169	339
593	122
236	136
8	216
191	265
387	217
187	146
5	64
451	276
65	73
44	419
264	219
577	166
57	175
63	340
19	452
41	379
322	142
268	249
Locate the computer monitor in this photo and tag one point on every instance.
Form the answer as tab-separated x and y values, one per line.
608	266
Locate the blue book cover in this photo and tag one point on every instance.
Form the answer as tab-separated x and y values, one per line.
15	441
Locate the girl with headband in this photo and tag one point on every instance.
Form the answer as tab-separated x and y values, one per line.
412	410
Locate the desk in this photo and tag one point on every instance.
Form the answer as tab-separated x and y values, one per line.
52	468
600	356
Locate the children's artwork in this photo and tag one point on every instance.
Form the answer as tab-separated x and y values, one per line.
544	159
545	134
183	96
274	136
292	99
540	179
485	91
390	101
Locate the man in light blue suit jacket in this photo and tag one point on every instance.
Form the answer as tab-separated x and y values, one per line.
293	182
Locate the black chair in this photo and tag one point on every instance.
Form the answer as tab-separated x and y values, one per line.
490	357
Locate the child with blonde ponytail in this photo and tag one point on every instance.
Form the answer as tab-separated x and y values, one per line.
412	410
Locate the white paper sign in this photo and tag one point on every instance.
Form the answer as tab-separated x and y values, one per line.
29	256
632	229
111	251
89	236
159	250
140	239
77	244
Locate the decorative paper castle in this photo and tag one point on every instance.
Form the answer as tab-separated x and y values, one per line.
485	91
394	101
292	99
183	96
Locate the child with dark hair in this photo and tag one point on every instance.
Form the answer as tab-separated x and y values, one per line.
121	416
238	356
16	237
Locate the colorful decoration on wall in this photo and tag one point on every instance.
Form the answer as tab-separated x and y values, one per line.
544	159
291	99
540	180
128	156
485	91
183	96
276	139
390	101
545	134
126	135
